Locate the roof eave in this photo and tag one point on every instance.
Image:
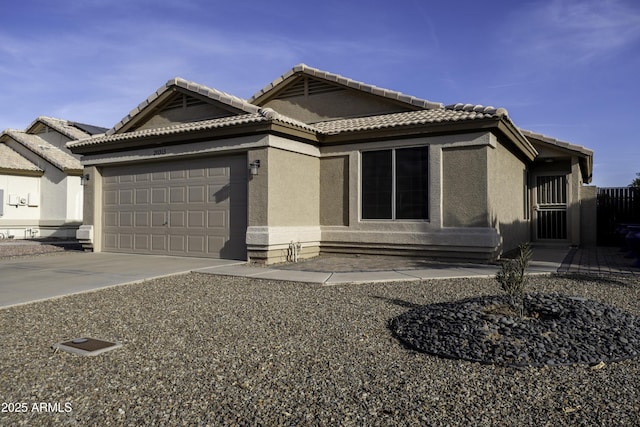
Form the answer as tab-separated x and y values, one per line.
21	172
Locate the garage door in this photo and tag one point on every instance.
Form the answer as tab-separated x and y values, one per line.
189	207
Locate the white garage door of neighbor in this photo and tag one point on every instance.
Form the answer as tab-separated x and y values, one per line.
189	207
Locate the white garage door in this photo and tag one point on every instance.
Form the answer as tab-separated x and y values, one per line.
189	207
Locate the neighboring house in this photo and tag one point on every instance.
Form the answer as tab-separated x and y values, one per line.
336	166
40	180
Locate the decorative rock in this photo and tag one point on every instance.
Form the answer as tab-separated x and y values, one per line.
557	330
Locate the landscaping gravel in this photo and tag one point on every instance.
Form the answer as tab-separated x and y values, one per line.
213	350
554	329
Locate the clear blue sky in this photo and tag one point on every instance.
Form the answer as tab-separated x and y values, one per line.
569	69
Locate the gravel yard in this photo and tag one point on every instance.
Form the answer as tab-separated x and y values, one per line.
214	350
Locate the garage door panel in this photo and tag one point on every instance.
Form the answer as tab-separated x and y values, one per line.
126	219
177	195
125	197
142	242
143	196
177	219
197	194
159	242
110	198
111	219
125	241
159	195
110	241
196	244
158	218
177	243
196	219
177	174
179	207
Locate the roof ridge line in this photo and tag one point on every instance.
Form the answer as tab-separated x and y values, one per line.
211	93
348	82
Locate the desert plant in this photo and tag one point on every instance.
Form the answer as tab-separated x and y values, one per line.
512	277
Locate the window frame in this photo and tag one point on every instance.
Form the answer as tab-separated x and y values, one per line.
394	185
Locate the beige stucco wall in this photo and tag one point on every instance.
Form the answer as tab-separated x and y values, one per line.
464	187
506	174
334	190
293	189
339	104
413	237
257	193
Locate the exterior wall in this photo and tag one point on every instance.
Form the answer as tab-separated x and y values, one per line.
294	189
16	220
184	115
412	237
57	139
334	190
337	104
31	220
588	215
464	190
291	182
506	174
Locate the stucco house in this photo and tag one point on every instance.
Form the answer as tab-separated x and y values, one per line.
316	162
40	179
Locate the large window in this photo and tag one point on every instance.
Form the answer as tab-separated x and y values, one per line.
394	184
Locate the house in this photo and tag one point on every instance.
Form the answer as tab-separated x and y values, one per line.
40	179
316	162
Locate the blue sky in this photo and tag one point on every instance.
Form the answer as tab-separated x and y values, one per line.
569	69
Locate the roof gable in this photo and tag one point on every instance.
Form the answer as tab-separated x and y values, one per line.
548	144
69	129
311	95
12	163
45	150
181	101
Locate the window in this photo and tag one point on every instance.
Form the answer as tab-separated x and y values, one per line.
394	184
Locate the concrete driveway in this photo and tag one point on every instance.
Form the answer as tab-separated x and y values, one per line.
36	278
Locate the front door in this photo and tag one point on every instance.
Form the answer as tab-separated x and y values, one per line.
551	207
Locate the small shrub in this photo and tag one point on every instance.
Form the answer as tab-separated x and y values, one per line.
512	277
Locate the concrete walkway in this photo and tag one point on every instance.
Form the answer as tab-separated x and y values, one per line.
36	278
337	269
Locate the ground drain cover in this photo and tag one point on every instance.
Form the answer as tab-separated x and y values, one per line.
86	346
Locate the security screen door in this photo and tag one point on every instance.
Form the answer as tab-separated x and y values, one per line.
551	207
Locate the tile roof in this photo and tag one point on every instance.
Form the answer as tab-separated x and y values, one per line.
263	115
556	142
12	160
420	117
344	81
47	151
208	92
62	126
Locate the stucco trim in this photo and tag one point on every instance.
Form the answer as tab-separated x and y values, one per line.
169	152
265	237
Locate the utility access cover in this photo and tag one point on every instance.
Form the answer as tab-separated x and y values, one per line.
86	346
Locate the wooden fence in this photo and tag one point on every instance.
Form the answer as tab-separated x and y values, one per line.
617	205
